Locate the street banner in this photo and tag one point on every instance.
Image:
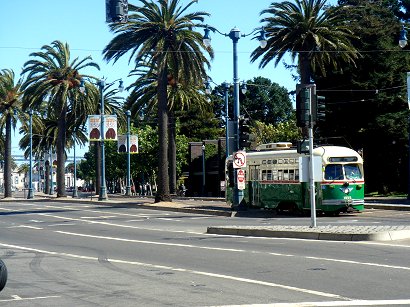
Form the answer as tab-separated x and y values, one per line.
110	127
408	89
122	144
134	144
94	123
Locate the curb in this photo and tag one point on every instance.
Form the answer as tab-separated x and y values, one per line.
319	233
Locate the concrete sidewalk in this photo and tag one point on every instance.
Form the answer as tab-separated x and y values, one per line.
217	206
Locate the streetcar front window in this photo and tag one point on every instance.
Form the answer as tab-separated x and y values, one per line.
341	172
334	172
352	171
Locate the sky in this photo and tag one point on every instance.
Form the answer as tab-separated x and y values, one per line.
27	25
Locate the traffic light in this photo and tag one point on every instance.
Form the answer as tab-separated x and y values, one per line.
116	10
320	109
245	137
302	146
302	105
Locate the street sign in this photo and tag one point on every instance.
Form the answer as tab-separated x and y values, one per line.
241	179
239	159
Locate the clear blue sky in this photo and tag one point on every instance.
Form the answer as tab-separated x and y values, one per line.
27	25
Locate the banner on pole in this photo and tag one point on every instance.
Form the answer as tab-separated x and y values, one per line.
122	143
94	124
110	127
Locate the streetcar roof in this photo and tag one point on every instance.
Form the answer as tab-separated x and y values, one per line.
325	151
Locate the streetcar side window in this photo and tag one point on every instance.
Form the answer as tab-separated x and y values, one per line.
333	172
269	173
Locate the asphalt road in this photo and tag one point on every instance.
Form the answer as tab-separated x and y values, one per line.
61	254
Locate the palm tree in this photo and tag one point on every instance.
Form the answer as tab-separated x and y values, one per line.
53	77
308	29
181	95
10	104
161	34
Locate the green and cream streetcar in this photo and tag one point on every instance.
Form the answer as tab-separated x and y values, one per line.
273	179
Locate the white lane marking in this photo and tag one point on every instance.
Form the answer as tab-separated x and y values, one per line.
361	263
25	226
18	298
130	221
119	225
80	208
168	219
150	242
98	217
222	276
63	224
331	303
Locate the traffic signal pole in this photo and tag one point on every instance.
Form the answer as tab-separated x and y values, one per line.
306	109
312	188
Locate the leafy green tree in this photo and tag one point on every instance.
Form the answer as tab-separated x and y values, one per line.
266	101
366	105
281	132
318	36
160	34
53	76
10	105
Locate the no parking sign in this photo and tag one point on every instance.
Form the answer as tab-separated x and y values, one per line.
239	159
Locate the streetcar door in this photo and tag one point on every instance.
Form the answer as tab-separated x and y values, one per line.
254	186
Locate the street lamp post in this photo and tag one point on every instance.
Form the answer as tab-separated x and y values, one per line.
128	187
101	85
30	193
103	189
235	35
225	86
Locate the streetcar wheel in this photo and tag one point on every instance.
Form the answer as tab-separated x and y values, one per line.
3	275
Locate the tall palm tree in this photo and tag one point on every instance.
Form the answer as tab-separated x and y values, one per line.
10	105
54	77
161	33
318	35
181	95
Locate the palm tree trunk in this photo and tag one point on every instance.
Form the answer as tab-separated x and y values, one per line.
163	179
172	154
7	158
304	67
61	141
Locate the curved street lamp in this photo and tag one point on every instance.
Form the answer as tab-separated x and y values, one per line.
235	35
